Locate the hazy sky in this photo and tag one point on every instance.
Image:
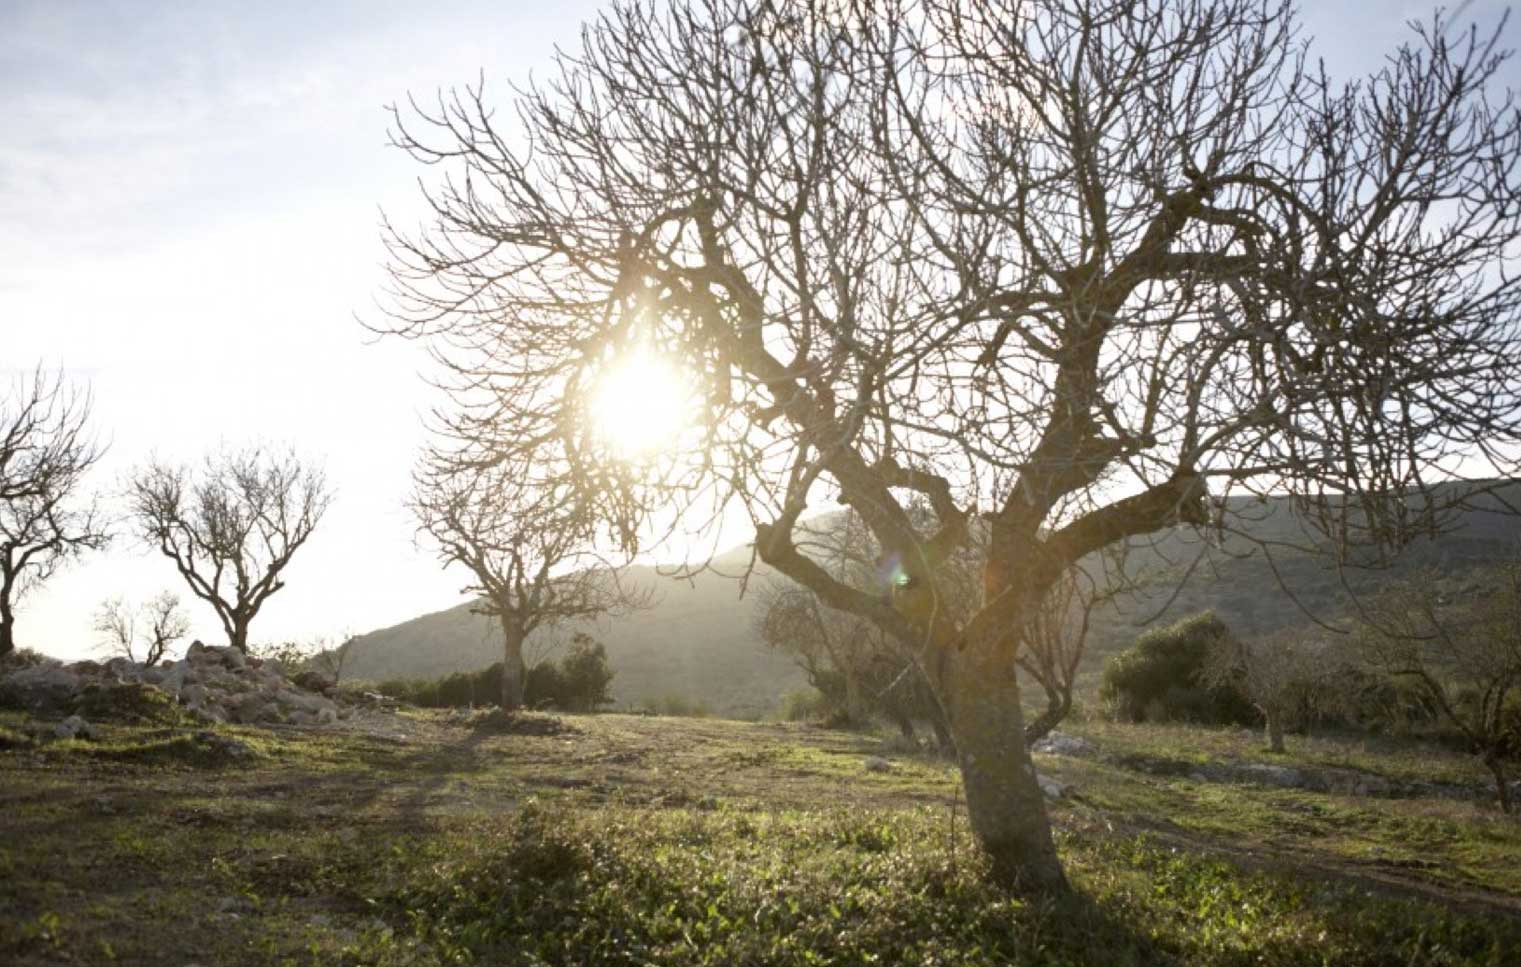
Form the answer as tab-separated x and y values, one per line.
189	197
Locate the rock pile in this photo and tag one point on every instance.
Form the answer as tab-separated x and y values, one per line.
216	684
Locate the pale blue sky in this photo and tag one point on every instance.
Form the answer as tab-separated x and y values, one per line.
188	209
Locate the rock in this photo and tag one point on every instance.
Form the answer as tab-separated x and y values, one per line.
327	716
41	689
875	763
1281	776
1052	789
74	727
1060	743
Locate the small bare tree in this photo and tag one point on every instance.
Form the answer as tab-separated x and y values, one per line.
1278	674
164	622
1051	647
1463	656
45	518
232	527
528	552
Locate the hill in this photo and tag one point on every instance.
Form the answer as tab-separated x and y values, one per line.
697	642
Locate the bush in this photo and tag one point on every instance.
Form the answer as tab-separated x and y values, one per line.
578	682
1157	678
676	706
804	705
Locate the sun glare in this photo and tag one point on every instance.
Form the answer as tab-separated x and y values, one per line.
641	404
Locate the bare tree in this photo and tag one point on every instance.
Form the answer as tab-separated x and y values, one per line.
1077	269
1052	642
1277	673
164	623
1464	657
528	552
232	527
45	518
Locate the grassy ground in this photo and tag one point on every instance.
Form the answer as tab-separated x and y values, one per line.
641	840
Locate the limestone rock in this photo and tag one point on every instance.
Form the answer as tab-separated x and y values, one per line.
1052	789
75	727
1060	743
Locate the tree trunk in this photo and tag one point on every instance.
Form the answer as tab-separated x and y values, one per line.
943	739
855	699
7	620
1502	790
238	636
1274	729
1057	707
514	675
979	689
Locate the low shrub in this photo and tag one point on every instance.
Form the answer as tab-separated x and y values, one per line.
578	682
677	706
804	705
1157	678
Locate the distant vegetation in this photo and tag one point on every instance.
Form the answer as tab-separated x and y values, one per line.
577	682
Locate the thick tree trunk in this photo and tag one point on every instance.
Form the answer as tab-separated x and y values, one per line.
238	636
1274	729
980	692
514	675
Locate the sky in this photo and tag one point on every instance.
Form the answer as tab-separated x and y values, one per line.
189	204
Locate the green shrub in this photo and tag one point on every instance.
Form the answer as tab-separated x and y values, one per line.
804	705
1157	679
578	682
677	706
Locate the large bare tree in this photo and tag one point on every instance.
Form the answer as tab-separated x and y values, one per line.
46	520
231	526
527	548
1075	270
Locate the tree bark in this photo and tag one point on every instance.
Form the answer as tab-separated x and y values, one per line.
7	637
514	675
979	689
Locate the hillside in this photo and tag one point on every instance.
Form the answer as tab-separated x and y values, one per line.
697	641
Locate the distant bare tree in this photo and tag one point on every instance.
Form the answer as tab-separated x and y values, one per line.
1073	270
1463	656
164	623
45	518
231	527
328	659
528	552
1277	673
1052	642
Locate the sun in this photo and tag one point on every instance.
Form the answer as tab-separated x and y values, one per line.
641	404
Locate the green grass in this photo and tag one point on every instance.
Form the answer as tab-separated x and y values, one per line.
691	841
